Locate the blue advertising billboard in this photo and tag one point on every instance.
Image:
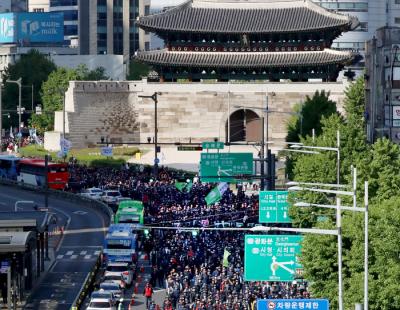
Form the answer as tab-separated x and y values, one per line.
7	28
40	27
25	28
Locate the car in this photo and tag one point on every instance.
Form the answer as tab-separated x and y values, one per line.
110	196
121	268
113	288
114	278
94	193
104	294
101	303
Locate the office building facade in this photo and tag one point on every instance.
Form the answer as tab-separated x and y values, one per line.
71	19
109	27
13	6
372	14
383	84
39	6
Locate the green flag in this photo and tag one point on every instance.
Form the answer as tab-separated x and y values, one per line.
180	185
189	186
216	194
225	262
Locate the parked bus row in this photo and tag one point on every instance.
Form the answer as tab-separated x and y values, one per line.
32	171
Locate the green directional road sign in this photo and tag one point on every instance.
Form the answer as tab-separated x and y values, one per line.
274	207
272	257
213	145
224	167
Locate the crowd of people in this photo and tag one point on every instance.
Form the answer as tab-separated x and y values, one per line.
165	203
190	265
191	269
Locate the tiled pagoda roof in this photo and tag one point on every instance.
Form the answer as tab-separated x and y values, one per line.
245	59
243	17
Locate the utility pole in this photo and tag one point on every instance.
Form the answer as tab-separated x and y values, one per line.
154	97
262	155
19	83
1	120
46	182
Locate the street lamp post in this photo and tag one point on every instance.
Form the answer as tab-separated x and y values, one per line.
154	97
395	50
339	208
1	120
19	83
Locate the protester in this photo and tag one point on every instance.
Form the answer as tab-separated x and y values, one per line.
148	293
190	265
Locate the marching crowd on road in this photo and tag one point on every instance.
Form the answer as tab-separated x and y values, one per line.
196	276
165	204
199	270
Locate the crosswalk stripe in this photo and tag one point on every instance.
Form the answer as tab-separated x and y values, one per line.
60	256
74	256
69	253
88	256
83	252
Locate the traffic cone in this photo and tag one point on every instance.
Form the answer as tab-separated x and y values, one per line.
136	289
139	278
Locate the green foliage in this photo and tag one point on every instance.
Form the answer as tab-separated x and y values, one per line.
34	68
53	92
380	165
88	156
309	116
137	70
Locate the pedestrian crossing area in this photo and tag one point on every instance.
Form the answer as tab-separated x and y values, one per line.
91	254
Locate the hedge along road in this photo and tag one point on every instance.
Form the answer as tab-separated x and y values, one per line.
75	252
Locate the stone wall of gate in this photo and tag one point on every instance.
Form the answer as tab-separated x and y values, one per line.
187	112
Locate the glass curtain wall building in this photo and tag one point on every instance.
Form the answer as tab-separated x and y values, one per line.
372	14
71	19
109	27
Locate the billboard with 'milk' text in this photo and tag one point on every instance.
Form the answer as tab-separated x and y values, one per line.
25	28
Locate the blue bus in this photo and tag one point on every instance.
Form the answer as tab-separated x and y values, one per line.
120	244
8	167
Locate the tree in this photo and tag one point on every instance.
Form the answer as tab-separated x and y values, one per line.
53	91
309	116
34	68
137	70
380	165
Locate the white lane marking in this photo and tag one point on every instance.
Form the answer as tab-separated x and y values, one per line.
80	212
69	253
83	252
74	256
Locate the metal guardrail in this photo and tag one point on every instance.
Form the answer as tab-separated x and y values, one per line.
87	284
66	195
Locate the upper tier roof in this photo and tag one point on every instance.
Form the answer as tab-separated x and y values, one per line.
251	16
245	60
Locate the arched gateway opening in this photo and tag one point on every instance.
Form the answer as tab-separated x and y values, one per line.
245	126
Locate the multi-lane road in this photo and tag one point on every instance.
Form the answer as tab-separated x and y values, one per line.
75	253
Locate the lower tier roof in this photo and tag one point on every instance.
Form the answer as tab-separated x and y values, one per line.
245	59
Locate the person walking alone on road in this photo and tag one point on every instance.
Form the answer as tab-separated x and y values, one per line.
148	293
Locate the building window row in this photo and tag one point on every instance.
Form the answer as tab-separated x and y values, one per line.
346	6
70	30
54	3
